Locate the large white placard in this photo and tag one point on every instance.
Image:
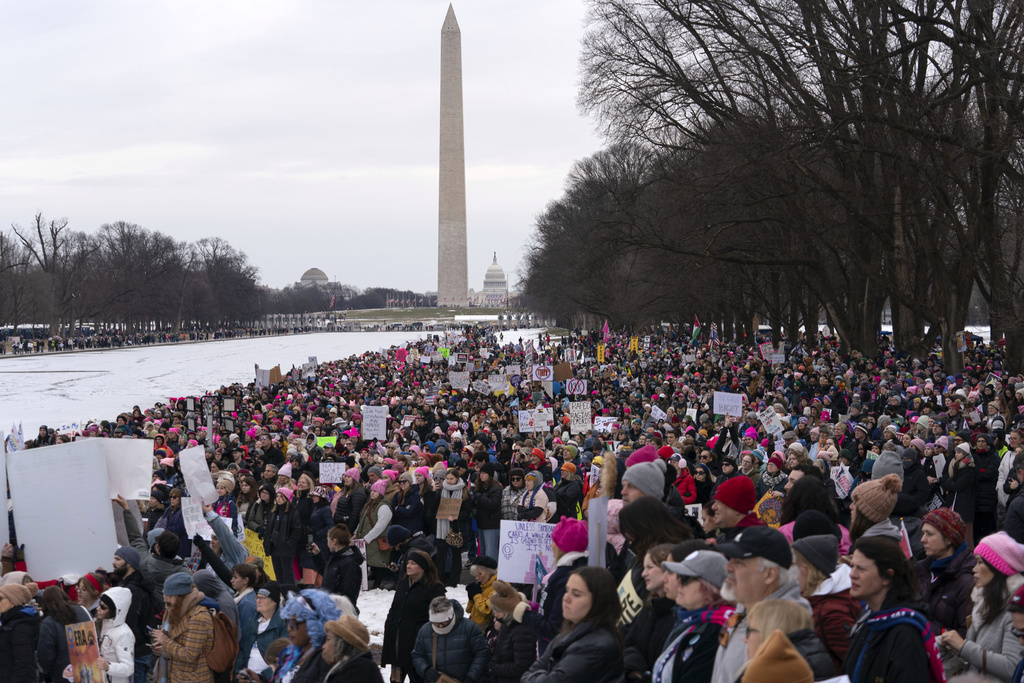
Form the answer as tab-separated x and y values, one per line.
657	413
332	472
194	518
5	531
521	544
527	421
579	417
728	404
605	424
62	534
459	380
129	466
198	479
597	531
375	422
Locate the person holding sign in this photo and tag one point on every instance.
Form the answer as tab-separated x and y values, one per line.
451	518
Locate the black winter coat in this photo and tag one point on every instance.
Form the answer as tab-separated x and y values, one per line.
895	654
139	612
646	638
948	597
407	615
348	508
410	514
19	636
462	653
1014	524
813	650
547	622
513	652
961	491
916	490
342	571
584	655
567	496
52	649
284	529
987	464
487	506
360	668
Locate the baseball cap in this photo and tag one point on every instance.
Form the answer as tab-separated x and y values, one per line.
759	541
706	564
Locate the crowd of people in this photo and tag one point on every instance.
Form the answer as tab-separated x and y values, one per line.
859	516
36	341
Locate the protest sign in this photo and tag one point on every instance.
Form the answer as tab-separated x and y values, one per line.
576	387
254	546
462	358
197	474
696	510
597	531
332	472
86	521
769	420
481	386
657	413
767	349
542	373
312	359
448	508
843	481
778	358
496	382
689	358
129	464
579	417
361	544
961	342
562	372
324	441
83	653
600	353
521	544
459	380
375	422
692	414
605	424
526	421
728	404
308	370
194	518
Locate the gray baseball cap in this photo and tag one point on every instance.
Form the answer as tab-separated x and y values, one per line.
704	564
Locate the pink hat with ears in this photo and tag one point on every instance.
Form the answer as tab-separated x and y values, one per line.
379	486
423	472
286	492
391	474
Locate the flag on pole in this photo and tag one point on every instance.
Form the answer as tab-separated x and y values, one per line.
696	330
15	440
713	337
604	332
904	539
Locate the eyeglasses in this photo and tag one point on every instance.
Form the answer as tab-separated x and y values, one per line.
1016	633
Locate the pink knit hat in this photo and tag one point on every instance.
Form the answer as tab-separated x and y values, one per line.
379	486
646	453
1002	552
751	433
352	472
391	474
286	492
570	535
423	472
286	470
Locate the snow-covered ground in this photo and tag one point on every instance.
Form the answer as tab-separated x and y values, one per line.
61	388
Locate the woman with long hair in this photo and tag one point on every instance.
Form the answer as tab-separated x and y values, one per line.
808	493
704	482
891	640
990	646
89	589
173	520
284	529
248	493
796	623
448	555
960	482
409	612
52	650
486	498
646	637
589	648
349	501
374	519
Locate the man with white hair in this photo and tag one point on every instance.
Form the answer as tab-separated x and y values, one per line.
760	568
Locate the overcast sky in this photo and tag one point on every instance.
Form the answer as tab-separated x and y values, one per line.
304	132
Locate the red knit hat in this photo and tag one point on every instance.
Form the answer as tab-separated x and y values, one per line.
738	494
643	454
949	524
666	452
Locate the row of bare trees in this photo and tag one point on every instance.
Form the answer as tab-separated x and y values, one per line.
786	158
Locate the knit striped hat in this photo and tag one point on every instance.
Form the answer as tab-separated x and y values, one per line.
1002	552
948	523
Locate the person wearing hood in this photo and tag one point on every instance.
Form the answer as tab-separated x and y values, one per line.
513	649
284	528
826	585
916	489
450	644
340	565
990	646
959	481
19	633
873	502
258	513
760	568
734	507
214	589
946	574
117	642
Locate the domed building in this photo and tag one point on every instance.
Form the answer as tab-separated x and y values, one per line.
495	292
314	277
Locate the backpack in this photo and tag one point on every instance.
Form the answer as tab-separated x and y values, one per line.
224	653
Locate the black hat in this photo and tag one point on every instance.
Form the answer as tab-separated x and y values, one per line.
759	541
484	561
813	523
488	468
821	551
270	590
462	463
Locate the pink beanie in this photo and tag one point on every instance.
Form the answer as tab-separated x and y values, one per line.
1002	552
751	433
167	462
286	471
646	453
570	535
379	486
423	472
352	472
286	492
391	474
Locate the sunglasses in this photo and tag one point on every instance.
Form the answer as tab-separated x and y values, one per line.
1016	633
517	478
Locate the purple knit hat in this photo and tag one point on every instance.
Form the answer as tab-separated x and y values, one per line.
1002	552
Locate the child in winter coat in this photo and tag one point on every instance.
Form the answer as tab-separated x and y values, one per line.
117	642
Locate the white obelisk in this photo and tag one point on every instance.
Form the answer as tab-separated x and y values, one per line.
452	265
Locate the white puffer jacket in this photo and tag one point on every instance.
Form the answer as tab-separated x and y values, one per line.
117	642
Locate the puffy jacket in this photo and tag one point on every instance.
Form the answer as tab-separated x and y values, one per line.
811	649
583	655
348	507
19	636
946	589
1014	524
409	611
547	622
916	490
342	571
249	635
646	638
513	652
687	486
284	528
462	653
961	491
411	514
567	496
117	642
360	668
141	609
487	506
52	651
835	612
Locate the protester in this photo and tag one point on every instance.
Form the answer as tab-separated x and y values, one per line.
347	650
187	633
409	612
588	648
341	568
374	519
651	627
450	645
513	648
306	615
946	574
52	650
259	632
484	571
777	659
116	640
769	616
284	531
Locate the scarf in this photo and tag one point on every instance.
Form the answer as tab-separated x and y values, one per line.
686	622
939	566
770	481
448	491
238	598
881	621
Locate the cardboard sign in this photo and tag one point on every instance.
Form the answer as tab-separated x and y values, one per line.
658	414
84	653
597	531
521	544
375	422
579	417
448	508
198	480
576	387
728	404
563	371
332	472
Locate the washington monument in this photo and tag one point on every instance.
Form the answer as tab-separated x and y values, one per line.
452	266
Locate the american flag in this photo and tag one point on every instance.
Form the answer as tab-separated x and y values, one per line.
713	338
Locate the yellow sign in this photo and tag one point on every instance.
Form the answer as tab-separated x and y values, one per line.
634	344
600	353
254	546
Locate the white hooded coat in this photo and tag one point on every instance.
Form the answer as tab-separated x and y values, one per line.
117	642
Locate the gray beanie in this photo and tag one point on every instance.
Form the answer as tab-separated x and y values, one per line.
889	462
820	551
178	584
648	477
129	555
375	470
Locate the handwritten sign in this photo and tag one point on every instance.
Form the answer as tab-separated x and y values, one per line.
496	382
197	474
657	413
325	441
195	520
728	404
332	472
521	543
459	380
481	386
579	417
448	508
605	425
526	421
576	387
84	652
375	422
